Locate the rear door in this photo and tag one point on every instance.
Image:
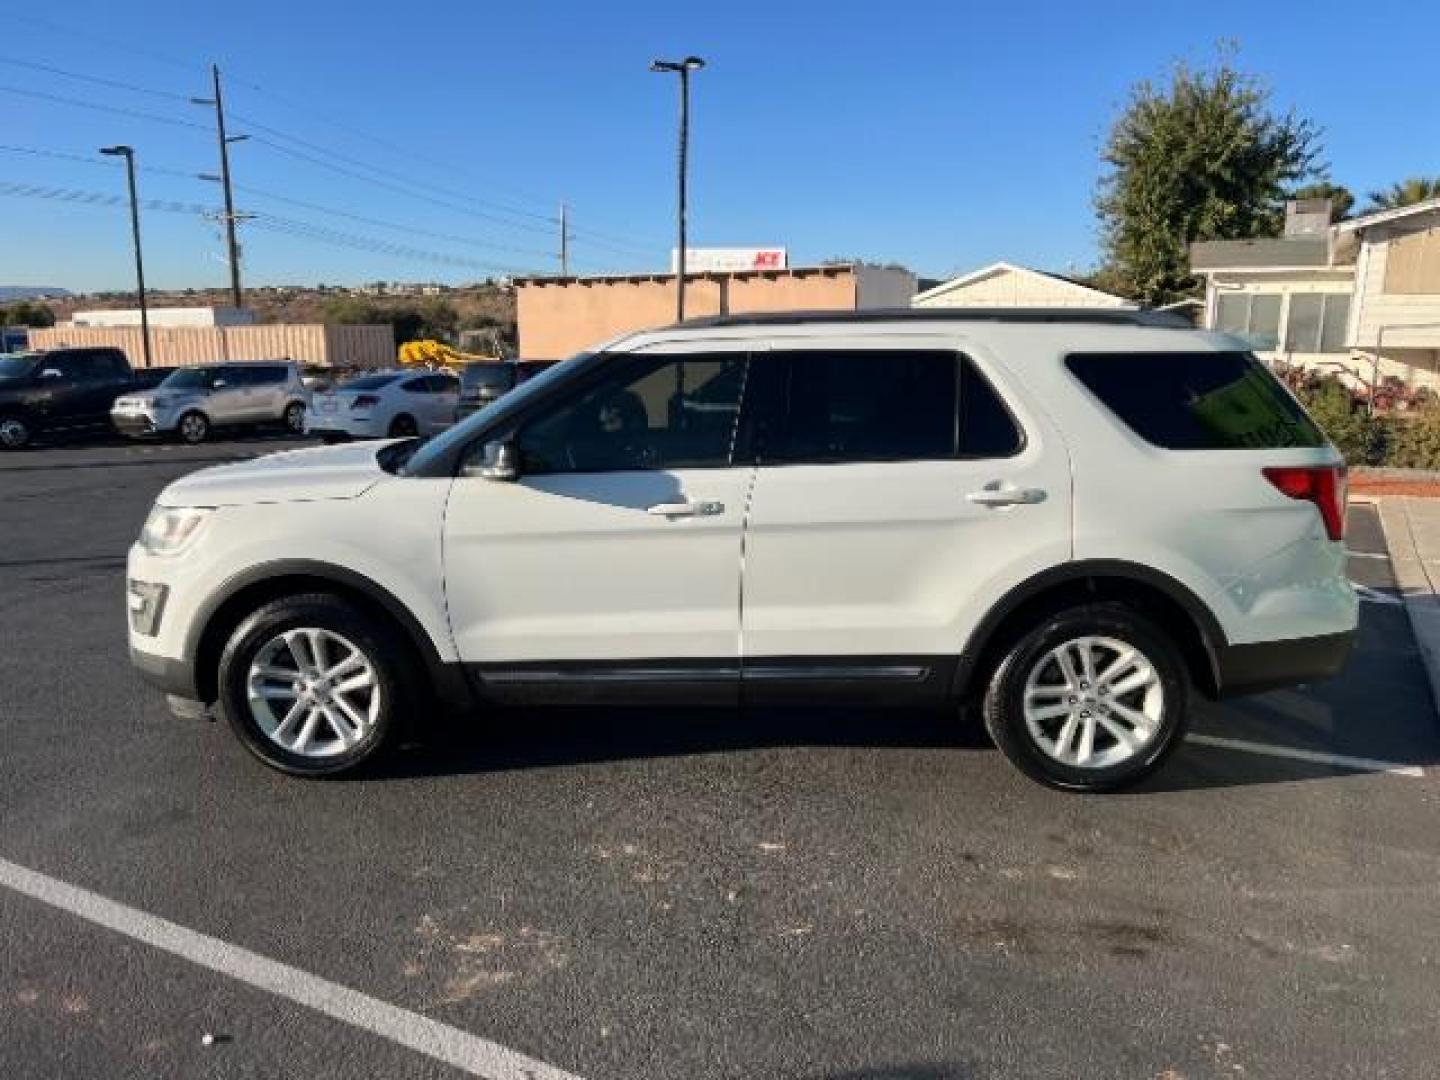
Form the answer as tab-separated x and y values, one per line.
898	495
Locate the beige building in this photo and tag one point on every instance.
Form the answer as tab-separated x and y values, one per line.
1359	298
1004	285
178	346
561	316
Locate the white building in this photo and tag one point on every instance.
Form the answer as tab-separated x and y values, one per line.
1003	284
1361	297
166	316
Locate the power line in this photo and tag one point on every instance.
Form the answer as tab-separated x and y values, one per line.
289	226
113	109
411	230
113	84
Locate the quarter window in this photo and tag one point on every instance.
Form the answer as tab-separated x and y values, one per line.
1197	400
654	413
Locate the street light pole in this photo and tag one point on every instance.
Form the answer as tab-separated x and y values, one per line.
683	68
128	153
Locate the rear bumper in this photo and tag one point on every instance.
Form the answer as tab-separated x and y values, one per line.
1268	665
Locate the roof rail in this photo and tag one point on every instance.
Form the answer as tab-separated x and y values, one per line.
1084	316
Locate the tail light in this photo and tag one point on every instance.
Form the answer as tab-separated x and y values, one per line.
365	401
1323	485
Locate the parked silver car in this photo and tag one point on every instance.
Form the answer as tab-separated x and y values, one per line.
193	400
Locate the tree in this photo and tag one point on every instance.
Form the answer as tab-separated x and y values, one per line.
1407	192
1201	157
1342	200
27	313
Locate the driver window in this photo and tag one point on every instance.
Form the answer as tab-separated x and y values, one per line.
664	412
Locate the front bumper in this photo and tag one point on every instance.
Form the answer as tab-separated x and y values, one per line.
1269	665
176	677
138	423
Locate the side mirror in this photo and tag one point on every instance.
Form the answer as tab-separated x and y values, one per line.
502	462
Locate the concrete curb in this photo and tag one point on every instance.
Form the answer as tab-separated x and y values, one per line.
1415	557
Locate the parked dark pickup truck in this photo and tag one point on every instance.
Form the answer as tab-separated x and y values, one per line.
63	388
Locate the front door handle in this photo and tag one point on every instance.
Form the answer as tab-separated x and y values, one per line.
1012	496
686	509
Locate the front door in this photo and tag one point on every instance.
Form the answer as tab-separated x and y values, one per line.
897	496
610	568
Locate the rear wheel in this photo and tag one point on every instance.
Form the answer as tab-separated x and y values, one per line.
313	685
403	427
1091	699
193	428
295	417
16	432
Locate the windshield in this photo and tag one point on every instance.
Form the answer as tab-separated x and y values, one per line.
369	382
16	367
516	399
190	378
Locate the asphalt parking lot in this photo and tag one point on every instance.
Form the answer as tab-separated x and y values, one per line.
689	894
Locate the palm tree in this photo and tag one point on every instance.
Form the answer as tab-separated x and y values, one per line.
1409	191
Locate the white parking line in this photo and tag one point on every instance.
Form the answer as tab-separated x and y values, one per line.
474	1055
1359	764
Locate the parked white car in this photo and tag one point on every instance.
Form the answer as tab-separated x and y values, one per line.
386	404
1069	518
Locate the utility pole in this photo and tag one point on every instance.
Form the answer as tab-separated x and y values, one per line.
128	153
564	240
237	297
683	68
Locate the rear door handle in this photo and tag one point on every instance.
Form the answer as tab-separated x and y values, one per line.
687	509
1006	496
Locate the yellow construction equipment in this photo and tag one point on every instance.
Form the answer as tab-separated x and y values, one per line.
429	353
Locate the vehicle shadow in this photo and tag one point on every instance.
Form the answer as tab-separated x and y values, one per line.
538	738
545	737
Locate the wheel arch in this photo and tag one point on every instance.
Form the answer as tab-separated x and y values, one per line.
245	592
1166	601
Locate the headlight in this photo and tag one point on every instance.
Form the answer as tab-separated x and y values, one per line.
169	530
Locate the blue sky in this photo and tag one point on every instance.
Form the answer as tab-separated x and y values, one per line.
937	135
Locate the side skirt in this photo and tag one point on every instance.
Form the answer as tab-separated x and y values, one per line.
913	681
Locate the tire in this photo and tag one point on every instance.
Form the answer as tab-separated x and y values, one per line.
16	432
404	427
1036	742
347	731
193	428
294	418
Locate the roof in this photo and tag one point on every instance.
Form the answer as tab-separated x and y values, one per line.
1306	251
1007	268
1381	217
1084	316
666	275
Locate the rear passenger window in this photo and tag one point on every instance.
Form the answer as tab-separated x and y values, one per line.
1197	400
855	406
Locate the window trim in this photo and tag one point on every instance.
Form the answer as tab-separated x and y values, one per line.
965	363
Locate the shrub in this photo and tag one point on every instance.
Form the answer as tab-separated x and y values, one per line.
1359	436
1414	442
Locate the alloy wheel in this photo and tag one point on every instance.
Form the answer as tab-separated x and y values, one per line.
295	418
313	692
1093	702
194	428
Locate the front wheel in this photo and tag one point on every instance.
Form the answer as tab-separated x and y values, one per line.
313	685
403	427
1091	699
16	433
295	418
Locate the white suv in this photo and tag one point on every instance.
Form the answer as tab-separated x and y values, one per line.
1070	518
